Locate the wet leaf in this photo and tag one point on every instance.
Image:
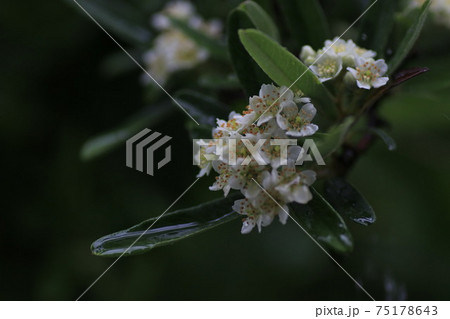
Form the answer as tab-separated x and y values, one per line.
323	223
348	201
168	229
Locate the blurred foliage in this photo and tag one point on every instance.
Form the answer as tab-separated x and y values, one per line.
54	95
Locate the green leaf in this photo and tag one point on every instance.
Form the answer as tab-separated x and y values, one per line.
166	230
410	38
260	19
388	140
306	21
330	142
213	46
248	72
285	69
106	142
119	17
377	25
219	82
202	108
323	223
348	201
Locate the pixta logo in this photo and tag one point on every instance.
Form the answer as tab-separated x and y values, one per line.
141	151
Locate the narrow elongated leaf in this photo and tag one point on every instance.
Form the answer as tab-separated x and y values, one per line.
306	21
166	230
213	46
285	69
348	201
328	143
106	142
323	223
119	17
388	140
248	72
203	108
260	19
377	25
410	38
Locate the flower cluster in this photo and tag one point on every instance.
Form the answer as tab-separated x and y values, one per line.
267	181
440	10
337	55
173	50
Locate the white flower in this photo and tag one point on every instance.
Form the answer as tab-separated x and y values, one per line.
252	152
260	212
293	186
340	47
177	9
297	123
369	73
173	51
269	102
327	67
308	55
230	128
347	50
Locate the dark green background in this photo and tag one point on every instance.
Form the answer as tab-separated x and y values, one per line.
53	97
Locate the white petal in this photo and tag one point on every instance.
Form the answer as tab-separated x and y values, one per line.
290	109
308	112
309	130
283	216
237	205
266	117
252	190
380	82
286	93
282	122
381	64
353	72
266	89
266	219
363	85
307	52
308	177
301	194
247	226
